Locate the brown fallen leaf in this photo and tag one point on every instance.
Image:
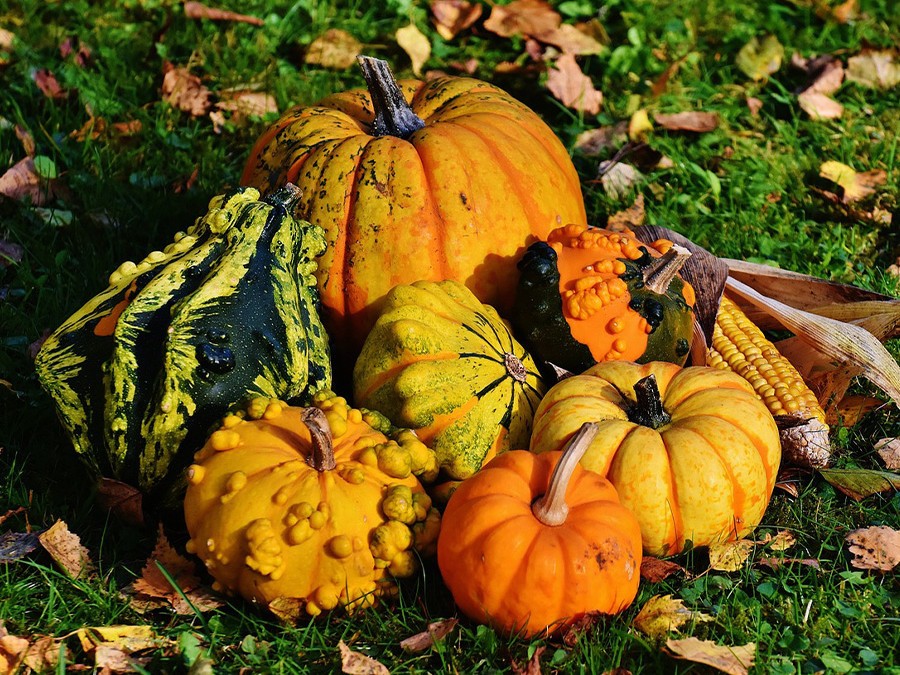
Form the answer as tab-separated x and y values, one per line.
451	17
243	103
335	49
16	545
731	660
19	509
572	87
27	140
417	47
618	178
12	651
124	501
287	609
73	46
97	127
875	68
533	667
819	106
851	410
421	642
184	90
571	40
730	556
603	140
7	38
782	541
616	671
655	570
197	10
760	58
889	451
571	633
856	185
861	483
523	17
775	563
754	105
663	613
48	84
696	121
825	73
42	654
22	181
66	550
356	663
629	218
874	548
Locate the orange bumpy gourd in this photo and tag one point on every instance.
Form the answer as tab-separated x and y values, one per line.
531	542
692	452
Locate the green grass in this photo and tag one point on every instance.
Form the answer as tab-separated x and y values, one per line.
743	191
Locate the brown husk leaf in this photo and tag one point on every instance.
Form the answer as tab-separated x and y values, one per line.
874	548
851	410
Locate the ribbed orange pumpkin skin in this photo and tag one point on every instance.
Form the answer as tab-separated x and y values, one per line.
459	199
506	568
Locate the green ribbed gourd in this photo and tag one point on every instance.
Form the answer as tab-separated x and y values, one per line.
226	313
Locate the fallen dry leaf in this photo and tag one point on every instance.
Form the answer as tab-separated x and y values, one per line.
731	660
10	254
663	613
760	58
754	105
6	39
856	185
12	651
243	103
698	122
861	483
570	40
26	139
48	84
775	563
83	55
618	178
639	126
415	44
42	654
845	12
889	451
22	181
335	49
288	609
852	409
629	218
533	667
603	140
355	663
819	106
876	68
121	499
185	91
451	17
874	548
129	639
655	570
425	640
826	76
523	17
16	545
197	10
572	87
730	556
782	541
66	550
97	127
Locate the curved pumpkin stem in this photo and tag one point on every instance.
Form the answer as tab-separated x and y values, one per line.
322	456
660	272
287	195
393	116
648	411
551	509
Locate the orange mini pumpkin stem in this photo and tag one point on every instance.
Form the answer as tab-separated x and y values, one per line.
322	456
393	115
660	273
551	509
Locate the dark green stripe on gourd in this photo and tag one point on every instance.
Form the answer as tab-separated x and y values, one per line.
228	312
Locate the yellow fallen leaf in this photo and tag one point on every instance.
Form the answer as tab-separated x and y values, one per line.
782	541
416	46
66	550
731	660
128	639
877	68
663	613
335	49
730	556
760	58
856	185
639	125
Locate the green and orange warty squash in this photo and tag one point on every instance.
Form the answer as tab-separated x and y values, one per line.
692	452
440	362
531	542
446	179
226	312
588	295
308	509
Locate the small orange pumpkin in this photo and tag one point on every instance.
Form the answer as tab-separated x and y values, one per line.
531	542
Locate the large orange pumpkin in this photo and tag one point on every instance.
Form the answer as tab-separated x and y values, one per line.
447	179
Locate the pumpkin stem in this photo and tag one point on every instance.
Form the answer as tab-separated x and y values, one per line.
287	195
322	456
393	116
515	367
659	274
551	509
648	411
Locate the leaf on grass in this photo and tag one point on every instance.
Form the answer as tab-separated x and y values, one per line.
48	84
16	545
731	660
760	58
27	140
356	663
183	90
819	106
603	140
523	17
775	563
415	44
451	17
856	185
425	640
618	178
288	609
571	633
197	10
663	613
22	181
629	218
6	39
121	499
782	541
128	639
533	667
730	556
874	548
851	410
876	68
12	651
570	40
10	254
97	127
696	121
754	105
83	55
572	87
655	570
335	49
66	550
861	483
889	451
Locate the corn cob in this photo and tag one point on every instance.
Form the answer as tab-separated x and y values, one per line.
740	346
